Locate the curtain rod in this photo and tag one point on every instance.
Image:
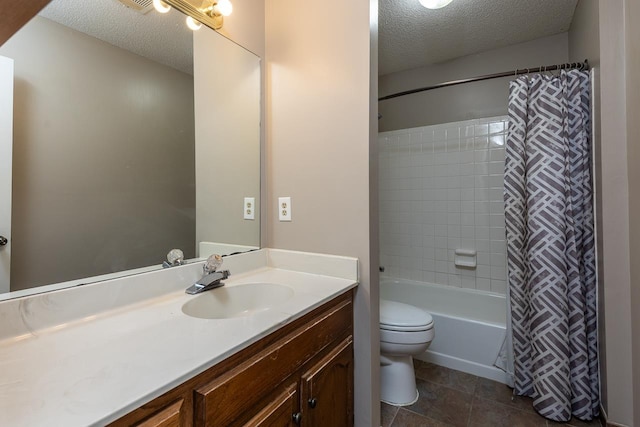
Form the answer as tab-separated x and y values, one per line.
569	66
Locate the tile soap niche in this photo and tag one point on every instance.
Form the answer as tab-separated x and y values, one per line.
465	258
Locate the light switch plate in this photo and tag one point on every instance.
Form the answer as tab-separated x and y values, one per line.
284	208
249	208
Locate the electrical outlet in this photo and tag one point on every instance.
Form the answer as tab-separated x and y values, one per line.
284	208
249	208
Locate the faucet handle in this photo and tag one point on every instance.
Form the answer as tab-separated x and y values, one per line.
212	264
174	257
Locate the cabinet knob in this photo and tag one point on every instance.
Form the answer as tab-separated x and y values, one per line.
297	417
313	402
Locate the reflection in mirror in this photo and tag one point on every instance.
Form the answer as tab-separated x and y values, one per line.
111	144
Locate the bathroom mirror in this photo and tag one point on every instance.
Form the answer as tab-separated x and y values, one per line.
132	135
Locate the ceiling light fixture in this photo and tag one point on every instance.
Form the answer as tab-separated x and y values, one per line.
193	24
434	4
161	6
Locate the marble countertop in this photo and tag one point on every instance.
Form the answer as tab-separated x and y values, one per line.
93	369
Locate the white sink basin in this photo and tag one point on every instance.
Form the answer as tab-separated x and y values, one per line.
237	301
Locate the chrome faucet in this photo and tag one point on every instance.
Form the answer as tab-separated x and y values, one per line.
209	281
211	278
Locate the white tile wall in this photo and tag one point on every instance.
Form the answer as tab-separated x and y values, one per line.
441	189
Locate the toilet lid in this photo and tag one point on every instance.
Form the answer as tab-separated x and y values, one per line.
396	316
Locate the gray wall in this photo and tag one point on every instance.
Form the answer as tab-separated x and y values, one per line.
227	139
632	55
584	34
619	180
246	26
467	101
103	165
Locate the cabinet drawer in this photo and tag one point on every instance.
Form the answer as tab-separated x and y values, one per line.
279	412
224	399
168	416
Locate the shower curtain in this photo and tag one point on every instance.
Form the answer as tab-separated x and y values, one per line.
550	244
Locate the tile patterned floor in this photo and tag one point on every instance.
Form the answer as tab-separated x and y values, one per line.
451	398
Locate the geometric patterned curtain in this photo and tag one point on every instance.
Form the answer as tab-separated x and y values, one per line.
550	244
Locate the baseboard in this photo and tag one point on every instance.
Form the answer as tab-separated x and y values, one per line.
610	424
605	422
484	371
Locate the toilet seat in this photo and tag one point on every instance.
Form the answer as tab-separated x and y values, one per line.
407	338
396	316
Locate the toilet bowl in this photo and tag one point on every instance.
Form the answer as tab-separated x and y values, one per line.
405	331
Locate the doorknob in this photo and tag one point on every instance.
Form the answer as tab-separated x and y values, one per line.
3	241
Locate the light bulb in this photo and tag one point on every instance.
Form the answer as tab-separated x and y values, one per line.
193	24
224	7
161	6
434	4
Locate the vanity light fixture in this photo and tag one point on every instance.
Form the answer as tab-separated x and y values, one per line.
217	10
434	4
225	7
214	9
161	6
193	24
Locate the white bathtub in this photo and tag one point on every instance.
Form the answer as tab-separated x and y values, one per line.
470	325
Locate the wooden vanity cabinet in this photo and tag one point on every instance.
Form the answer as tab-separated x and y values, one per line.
300	375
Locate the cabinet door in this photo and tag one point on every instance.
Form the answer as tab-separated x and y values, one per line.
327	389
279	412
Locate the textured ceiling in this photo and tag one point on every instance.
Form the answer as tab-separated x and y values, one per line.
412	36
163	38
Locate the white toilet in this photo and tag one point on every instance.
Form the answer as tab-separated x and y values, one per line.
405	331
